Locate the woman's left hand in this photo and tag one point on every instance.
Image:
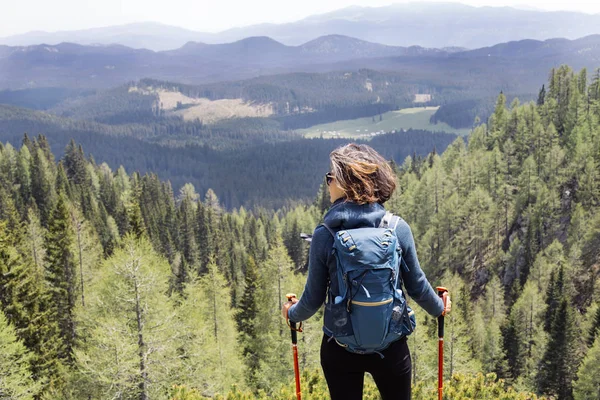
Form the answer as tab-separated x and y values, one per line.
286	307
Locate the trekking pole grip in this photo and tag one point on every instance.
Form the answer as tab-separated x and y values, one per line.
443	293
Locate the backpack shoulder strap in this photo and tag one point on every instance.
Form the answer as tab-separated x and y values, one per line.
329	229
389	220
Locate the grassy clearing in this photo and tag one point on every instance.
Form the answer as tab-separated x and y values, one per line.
415	118
208	111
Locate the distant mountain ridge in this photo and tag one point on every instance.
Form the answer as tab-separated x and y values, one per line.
71	65
430	25
99	66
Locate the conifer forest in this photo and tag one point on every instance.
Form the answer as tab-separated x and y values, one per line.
113	285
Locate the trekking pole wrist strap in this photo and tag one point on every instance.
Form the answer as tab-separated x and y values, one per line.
293	326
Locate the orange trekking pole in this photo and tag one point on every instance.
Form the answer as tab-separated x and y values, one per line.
293	329
443	293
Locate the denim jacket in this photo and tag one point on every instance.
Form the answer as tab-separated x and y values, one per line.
345	214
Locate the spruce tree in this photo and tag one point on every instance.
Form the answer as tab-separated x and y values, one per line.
247	324
75	164
28	305
43	184
595	329
61	274
558	367
542	96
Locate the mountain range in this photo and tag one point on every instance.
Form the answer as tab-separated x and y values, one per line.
76	66
97	66
431	25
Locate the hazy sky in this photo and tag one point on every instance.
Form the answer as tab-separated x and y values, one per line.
19	16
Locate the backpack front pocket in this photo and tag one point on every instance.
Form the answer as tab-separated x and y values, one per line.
373	316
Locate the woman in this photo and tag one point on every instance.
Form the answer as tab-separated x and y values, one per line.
359	183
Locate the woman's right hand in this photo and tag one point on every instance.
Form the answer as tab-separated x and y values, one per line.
447	304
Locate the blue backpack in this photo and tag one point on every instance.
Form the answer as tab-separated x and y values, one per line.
365	309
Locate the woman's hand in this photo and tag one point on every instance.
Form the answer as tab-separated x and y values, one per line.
286	307
448	304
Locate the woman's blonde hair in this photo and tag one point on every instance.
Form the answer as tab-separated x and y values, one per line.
362	173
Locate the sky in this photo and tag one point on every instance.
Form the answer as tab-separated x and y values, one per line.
20	16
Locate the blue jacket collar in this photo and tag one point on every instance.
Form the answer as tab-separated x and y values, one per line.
346	214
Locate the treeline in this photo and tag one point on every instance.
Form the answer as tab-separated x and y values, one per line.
333	113
115	106
302	92
301	100
240	169
40	98
169	131
463	113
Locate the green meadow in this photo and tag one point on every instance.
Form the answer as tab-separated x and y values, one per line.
408	118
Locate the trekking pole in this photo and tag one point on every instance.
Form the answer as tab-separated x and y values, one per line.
443	293
293	329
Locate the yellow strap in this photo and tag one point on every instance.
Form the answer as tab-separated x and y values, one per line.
372	304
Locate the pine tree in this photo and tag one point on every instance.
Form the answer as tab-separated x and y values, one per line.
322	201
595	328
542	96
559	364
554	295
187	221
27	304
75	163
135	221
61	274
523	336
15	375
588	376
490	312
43	184
513	343
23	179
204	235
293	243
247	324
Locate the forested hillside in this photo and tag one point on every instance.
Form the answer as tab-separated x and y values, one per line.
237	164
112	285
332	78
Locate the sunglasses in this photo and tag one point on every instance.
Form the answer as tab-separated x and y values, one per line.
328	178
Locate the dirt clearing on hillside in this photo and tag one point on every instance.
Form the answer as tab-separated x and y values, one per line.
206	110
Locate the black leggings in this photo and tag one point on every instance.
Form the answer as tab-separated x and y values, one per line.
345	371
